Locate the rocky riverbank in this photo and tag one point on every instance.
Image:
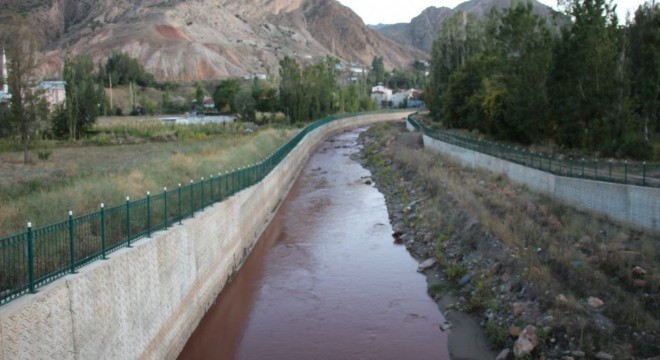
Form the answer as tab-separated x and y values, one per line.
515	273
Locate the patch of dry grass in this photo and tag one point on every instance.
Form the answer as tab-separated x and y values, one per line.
79	178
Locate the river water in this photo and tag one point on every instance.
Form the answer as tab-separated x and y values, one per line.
326	280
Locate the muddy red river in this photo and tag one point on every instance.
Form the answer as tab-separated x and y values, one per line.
326	280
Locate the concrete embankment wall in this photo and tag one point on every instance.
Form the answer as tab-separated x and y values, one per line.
635	205
145	302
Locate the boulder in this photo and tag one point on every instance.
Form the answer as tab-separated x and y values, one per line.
595	302
503	355
527	342
602	355
517	309
426	264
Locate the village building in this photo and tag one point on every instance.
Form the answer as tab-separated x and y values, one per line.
381	95
4	93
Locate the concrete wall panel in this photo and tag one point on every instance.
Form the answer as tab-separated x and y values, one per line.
636	205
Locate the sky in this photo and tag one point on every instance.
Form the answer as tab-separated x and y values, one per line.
395	11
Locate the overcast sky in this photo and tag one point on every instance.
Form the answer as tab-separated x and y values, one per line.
396	11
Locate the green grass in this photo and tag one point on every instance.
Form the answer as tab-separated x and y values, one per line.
80	176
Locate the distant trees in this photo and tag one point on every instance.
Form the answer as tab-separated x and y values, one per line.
225	92
83	99
27	106
595	86
309	93
123	69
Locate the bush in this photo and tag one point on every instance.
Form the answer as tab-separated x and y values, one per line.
635	147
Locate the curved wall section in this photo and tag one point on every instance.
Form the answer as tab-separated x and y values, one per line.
145	301
635	205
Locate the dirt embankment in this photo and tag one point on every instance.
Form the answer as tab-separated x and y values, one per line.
539	279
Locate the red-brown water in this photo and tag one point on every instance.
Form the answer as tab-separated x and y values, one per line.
326	280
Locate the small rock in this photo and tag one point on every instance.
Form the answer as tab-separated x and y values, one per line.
578	354
514	331
561	299
567	358
595	302
526	342
602	355
503	355
517	309
446	326
426	264
639	283
465	279
638	271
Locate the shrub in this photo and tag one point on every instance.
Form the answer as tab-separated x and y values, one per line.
634	146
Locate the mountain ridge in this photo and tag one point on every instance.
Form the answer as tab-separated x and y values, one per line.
423	29
204	39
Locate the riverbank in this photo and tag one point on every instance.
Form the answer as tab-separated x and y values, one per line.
532	276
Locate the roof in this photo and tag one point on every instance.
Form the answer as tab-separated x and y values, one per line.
52	85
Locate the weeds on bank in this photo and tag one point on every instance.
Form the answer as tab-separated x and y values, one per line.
563	253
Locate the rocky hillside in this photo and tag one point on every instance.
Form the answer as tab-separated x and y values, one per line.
203	39
422	30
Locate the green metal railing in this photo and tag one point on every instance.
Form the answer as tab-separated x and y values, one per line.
623	172
41	255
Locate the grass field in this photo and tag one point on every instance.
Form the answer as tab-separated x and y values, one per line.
126	156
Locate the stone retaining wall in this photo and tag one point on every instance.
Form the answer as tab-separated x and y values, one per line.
145	302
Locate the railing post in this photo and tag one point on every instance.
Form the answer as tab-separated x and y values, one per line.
192	198
582	168
128	221
610	170
180	214
148	214
72	249
625	172
644	173
202	185
103	255
165	205
30	254
211	199
596	170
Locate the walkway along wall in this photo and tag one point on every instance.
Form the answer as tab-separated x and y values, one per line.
636	205
145	301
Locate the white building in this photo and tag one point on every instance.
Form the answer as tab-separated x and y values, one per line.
381	95
4	94
53	91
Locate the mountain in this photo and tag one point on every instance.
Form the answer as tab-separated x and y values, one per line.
422	30
203	39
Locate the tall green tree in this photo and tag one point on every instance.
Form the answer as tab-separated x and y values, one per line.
199	96
124	69
377	73
83	99
644	54
517	89
225	92
460	37
586	78
27	105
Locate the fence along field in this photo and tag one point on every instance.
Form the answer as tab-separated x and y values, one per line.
38	256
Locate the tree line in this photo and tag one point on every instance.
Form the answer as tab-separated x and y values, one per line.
581	81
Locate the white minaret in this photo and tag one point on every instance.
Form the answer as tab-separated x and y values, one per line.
5	87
